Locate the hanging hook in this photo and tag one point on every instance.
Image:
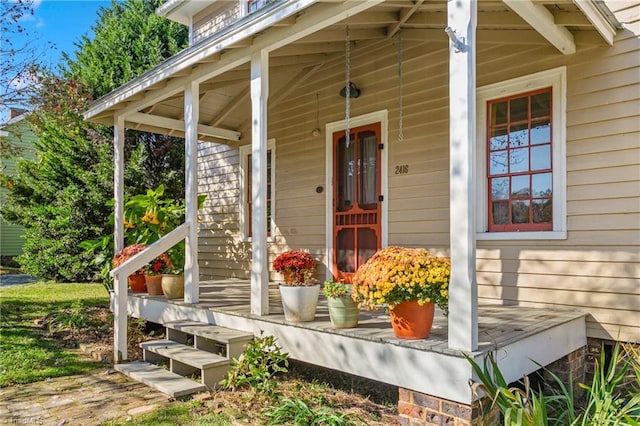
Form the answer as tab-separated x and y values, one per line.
458	44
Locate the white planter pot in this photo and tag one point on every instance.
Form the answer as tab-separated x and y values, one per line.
299	303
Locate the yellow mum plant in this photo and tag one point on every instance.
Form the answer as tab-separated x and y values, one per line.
397	274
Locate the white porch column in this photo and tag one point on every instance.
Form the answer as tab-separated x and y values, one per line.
191	117
119	283
463	292
259	263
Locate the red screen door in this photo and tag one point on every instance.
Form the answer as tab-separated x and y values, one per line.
356	199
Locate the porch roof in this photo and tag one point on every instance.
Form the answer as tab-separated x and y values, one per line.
300	42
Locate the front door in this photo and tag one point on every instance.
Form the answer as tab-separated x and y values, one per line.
356	199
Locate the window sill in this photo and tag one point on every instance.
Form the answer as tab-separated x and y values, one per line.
518	236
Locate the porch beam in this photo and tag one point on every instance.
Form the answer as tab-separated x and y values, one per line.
120	282
405	14
173	124
542	21
230	106
593	14
191	117
259	263
463	292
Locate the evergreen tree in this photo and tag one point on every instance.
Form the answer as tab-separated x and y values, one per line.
62	198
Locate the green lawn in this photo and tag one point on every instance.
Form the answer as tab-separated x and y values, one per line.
26	355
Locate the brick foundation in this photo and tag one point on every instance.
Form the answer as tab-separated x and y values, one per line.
571	367
415	408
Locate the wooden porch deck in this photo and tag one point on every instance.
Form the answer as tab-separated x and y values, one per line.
521	335
498	326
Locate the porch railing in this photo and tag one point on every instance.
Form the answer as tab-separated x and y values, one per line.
120	275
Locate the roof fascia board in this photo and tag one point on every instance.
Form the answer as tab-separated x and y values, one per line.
325	15
192	55
596	17
542	21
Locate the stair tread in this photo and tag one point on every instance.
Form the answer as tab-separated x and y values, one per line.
210	331
158	378
185	354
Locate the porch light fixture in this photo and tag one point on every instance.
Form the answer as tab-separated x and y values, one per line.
354	92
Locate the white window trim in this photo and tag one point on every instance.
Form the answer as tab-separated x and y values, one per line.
245	151
557	79
330	128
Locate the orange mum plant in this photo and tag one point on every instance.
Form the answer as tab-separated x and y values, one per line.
397	274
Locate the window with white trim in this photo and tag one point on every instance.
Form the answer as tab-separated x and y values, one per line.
521	157
245	190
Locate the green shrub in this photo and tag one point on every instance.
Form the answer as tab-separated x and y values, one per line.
257	366
297	412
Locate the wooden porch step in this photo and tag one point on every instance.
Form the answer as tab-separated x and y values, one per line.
206	335
185	360
158	378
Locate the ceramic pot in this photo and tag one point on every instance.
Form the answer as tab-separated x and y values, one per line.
173	286
299	302
154	285
412	321
137	283
343	312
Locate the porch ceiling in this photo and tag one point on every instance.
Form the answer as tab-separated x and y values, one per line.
151	103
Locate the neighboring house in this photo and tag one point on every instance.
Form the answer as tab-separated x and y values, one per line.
514	149
18	135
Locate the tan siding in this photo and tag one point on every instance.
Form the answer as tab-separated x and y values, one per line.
595	269
214	18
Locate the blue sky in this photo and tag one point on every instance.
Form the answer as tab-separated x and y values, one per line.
54	28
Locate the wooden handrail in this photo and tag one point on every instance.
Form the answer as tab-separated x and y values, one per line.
154	250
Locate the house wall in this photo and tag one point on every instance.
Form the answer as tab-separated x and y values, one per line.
21	137
214	18
595	269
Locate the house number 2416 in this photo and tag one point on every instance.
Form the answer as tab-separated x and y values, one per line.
402	169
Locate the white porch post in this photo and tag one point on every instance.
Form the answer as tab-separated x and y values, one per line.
120	283
259	263
463	292
191	117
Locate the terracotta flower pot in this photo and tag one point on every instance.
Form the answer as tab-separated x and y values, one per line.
154	285
412	321
137	283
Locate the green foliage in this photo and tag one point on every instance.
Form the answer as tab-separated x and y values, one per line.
26	355
190	413
257	366
335	289
610	401
296	412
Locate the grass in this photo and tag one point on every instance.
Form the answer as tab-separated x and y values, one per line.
26	354
189	413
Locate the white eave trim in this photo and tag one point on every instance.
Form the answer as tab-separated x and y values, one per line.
189	57
594	14
172	124
543	22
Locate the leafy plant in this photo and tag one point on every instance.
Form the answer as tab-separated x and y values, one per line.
297	266
336	289
257	366
297	412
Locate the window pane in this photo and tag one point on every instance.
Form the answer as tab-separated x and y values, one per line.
542	211
346	250
541	105
367	244
519	160
518	108
540	132
368	170
498	162
520	212
542	185
500	213
346	175
500	188
499	113
541	157
498	139
519	135
520	186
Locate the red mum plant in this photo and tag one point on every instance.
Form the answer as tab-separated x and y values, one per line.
297	267
160	265
127	253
